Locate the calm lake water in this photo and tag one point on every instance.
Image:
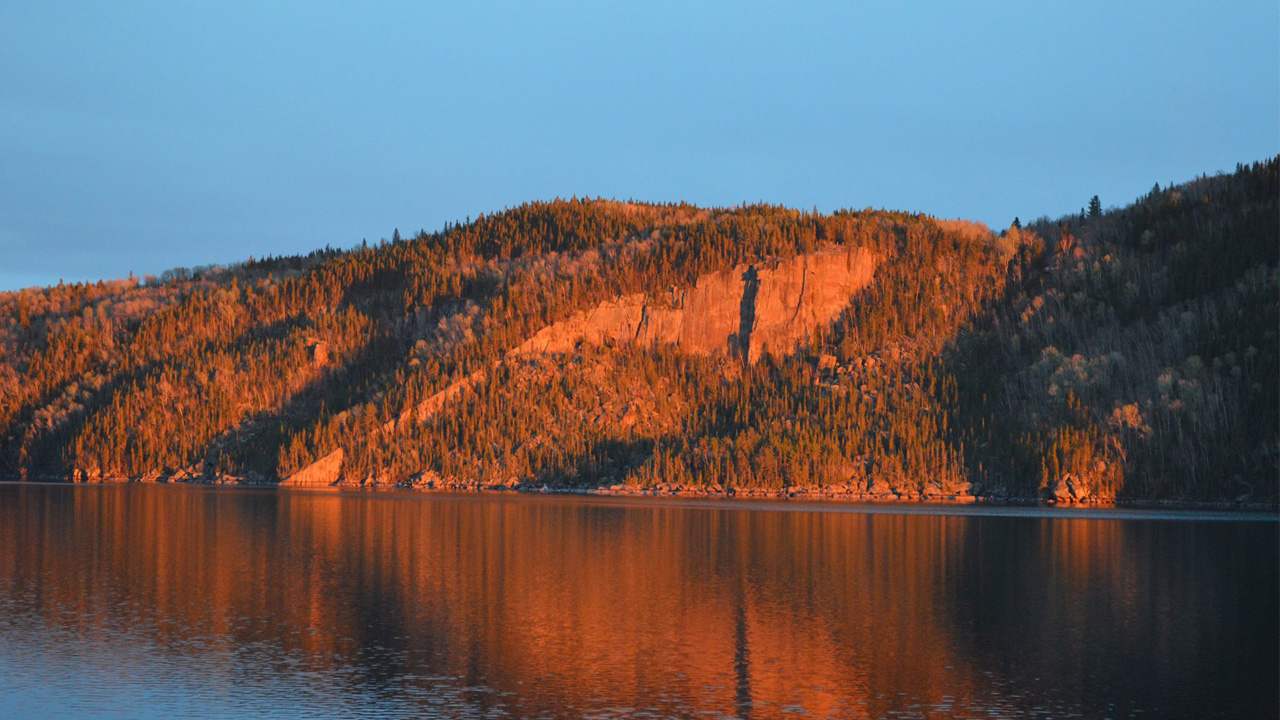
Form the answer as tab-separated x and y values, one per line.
146	601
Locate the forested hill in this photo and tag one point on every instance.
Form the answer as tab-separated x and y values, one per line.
1123	353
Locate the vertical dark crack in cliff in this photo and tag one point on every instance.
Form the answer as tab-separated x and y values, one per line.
804	283
747	312
644	320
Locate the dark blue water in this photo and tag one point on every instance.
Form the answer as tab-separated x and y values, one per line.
153	601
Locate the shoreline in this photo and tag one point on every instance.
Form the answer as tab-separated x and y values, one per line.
746	497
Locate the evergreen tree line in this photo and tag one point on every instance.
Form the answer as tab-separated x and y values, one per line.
1126	352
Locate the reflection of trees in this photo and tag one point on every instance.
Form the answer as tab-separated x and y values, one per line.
1133	610
577	604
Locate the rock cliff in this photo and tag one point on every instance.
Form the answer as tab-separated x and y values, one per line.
326	471
743	312
746	311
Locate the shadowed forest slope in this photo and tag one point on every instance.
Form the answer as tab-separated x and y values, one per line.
1122	353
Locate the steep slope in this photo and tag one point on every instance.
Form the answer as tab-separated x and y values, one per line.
1129	353
746	311
327	470
1135	354
743	312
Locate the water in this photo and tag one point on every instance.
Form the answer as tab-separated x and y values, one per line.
146	601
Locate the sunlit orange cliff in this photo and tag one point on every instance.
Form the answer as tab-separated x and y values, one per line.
1116	354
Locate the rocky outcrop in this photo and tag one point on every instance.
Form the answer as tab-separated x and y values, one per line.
327	471
745	312
321	473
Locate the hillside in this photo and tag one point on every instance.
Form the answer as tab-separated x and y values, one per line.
1129	353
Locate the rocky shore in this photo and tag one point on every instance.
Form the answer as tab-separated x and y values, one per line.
676	491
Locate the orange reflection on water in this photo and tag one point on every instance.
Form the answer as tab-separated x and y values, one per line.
723	609
575	605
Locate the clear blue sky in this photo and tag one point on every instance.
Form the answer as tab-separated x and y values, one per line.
142	136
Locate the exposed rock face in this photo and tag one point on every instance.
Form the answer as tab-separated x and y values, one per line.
327	470
746	311
321	473
1069	489
321	353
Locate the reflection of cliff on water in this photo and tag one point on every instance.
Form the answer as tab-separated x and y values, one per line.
575	605
720	610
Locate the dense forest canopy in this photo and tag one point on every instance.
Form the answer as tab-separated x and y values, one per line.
1115	353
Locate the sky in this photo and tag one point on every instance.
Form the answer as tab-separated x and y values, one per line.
139	136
